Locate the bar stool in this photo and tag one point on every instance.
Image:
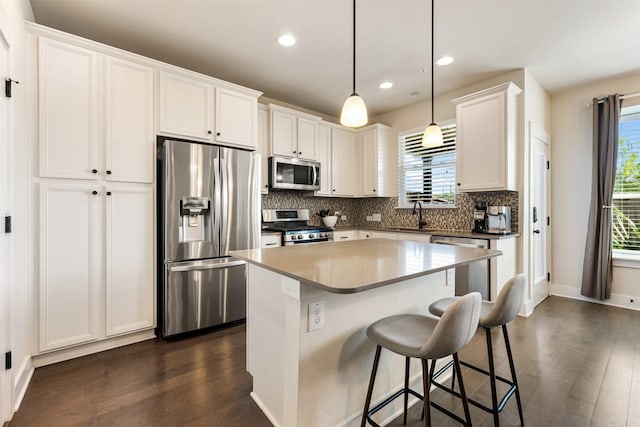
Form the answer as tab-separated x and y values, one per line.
422	337
492	314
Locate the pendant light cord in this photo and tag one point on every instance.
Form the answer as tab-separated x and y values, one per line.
432	66
354	47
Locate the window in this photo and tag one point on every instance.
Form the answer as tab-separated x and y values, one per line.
626	193
427	175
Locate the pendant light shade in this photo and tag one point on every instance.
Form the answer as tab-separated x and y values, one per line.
354	112
432	136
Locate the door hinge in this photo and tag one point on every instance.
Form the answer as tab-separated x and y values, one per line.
548	276
548	221
7	224
7	86
7	360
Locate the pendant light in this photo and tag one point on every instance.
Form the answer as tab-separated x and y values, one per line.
432	136
354	112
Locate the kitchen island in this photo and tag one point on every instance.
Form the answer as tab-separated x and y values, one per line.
311	362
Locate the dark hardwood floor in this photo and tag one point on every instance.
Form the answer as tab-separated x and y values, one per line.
578	365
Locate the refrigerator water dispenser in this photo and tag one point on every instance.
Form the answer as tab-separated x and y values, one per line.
194	215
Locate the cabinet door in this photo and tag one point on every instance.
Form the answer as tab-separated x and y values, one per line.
369	163
283	133
129	138
129	259
185	107
324	157
236	118
68	110
263	148
307	137
68	273
416	237
481	134
343	159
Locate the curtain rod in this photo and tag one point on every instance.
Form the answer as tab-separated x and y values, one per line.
631	95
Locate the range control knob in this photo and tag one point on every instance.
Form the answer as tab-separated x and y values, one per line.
299	236
311	236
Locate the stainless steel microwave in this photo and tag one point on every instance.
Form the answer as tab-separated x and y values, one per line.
286	173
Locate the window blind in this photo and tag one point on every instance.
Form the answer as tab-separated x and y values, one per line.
626	197
427	175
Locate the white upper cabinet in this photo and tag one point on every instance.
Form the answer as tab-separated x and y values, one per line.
263	147
324	157
343	163
379	162
487	129
68	110
185	106
129	122
293	134
235	119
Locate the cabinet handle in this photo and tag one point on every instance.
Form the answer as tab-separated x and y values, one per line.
270	244
94	170
108	193
108	172
209	132
94	192
344	237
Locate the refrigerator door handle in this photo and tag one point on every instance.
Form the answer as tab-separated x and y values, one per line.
206	266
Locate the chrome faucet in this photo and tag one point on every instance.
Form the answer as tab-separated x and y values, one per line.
421	223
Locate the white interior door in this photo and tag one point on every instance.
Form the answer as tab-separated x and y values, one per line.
5	384
540	239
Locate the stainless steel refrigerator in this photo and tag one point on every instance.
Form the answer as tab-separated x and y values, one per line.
208	204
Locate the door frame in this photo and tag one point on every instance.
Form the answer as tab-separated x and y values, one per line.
537	132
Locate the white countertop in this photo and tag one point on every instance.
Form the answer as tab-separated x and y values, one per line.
359	265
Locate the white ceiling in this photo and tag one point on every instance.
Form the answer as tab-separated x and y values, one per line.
563	43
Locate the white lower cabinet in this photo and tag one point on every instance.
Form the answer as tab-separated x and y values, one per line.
416	237
69	284
96	262
129	259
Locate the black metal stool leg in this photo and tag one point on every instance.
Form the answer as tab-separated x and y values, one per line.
367	403
426	383
513	371
463	395
492	379
406	389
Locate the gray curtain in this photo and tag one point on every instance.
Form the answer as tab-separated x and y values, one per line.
596	270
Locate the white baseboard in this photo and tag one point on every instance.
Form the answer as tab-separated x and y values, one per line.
56	356
264	409
21	381
616	300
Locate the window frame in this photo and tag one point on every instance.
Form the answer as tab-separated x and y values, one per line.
625	257
401	196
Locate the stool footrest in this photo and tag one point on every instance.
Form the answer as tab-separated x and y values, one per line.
388	400
503	401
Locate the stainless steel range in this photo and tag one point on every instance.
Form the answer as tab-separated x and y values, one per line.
294	226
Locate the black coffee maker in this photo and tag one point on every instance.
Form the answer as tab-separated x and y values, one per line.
479	217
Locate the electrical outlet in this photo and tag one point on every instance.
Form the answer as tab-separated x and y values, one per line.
316	315
369	218
376	217
343	217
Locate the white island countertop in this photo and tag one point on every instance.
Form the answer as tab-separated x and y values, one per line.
359	265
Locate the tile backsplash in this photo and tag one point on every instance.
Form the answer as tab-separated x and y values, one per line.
357	210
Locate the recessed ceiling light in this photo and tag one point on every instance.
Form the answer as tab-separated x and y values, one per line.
386	85
445	60
287	40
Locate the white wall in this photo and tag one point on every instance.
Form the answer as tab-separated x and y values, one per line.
571	130
12	16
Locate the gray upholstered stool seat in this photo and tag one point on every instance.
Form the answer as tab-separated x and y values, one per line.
422	337
493	314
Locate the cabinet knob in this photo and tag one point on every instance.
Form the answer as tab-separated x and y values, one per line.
108	193
218	133
209	132
266	186
333	189
94	192
458	183
108	172
299	152
374	190
294	152
94	170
